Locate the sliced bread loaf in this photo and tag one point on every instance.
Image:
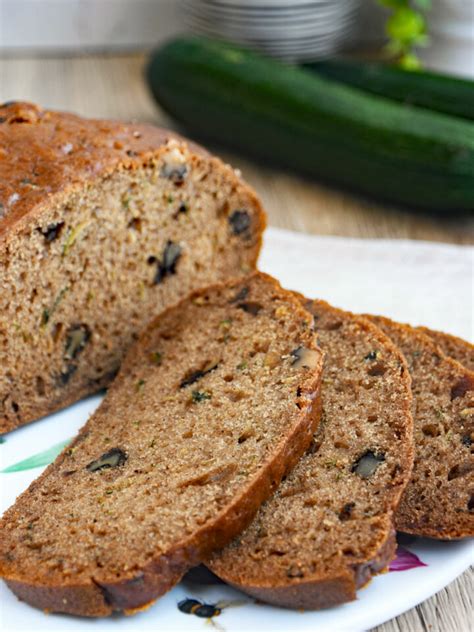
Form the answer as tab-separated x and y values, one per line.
328	528
213	405
439	499
452	346
102	226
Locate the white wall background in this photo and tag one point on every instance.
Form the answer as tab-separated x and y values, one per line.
94	24
113	24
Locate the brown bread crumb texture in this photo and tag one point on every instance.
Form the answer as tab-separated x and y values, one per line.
328	528
439	499
452	346
102	226
213	405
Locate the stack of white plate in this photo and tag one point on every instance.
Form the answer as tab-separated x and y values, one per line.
293	31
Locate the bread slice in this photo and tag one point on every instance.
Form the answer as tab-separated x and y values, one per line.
439	499
328	528
102	226
219	397
452	346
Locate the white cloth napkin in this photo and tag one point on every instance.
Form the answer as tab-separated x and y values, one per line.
417	282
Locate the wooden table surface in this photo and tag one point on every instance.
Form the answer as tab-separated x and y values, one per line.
112	86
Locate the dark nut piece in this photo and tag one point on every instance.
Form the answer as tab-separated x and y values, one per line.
366	464
51	232
346	511
167	265
461	469
461	387
239	222
307	358
194	376
372	355
112	458
77	337
241	294
171	254
66	375
250	307
183	209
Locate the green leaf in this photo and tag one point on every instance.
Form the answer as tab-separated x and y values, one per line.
2	440
406	29
406	26
410	62
37	460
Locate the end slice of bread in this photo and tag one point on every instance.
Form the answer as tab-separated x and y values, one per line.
439	499
328	528
103	225
452	346
213	405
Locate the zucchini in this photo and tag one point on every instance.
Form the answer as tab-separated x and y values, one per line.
434	91
292	117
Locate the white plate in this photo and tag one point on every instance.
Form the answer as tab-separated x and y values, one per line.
277	32
267	5
315	18
292	14
415	282
259	40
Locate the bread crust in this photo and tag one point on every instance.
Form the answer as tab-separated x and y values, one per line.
433	522
97	598
328	590
452	346
325	592
26	133
45	156
57	152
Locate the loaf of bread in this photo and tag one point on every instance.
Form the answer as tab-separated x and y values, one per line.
439	499
212	406
328	528
452	346
102	226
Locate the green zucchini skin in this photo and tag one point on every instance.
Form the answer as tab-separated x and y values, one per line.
294	118
441	93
